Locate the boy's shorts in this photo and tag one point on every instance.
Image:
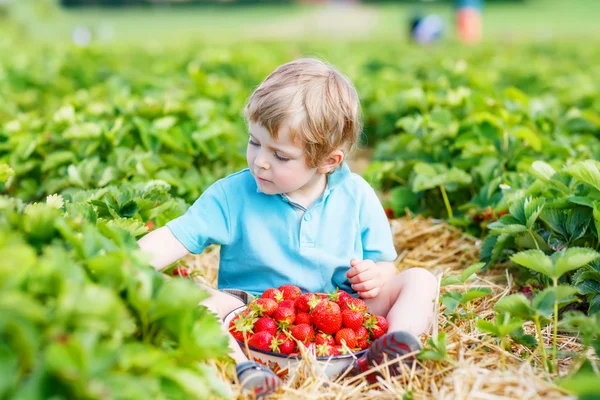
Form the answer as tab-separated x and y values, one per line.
242	295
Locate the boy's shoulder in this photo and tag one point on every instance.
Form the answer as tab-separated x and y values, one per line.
355	186
238	181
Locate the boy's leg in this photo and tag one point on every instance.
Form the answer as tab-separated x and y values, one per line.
407	301
254	378
222	304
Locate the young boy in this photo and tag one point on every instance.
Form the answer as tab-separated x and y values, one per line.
298	215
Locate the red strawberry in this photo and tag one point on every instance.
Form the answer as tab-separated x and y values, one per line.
241	326
339	296
363	343
283	344
327	317
181	271
261	340
285	316
389	212
323	338
346	335
322	295
272	293
377	325
488	213
303	318
288	304
263	306
352	319
150	225
265	324
290	292
303	333
326	350
359	304
303	302
361	333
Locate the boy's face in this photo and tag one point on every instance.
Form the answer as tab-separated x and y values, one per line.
278	166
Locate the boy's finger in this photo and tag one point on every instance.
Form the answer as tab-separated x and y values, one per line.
354	262
369	294
362	276
365	285
355	270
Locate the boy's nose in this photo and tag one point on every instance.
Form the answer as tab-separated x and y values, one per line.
260	161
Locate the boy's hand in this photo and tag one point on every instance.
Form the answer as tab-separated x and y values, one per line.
365	277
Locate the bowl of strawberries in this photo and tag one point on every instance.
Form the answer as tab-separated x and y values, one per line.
277	327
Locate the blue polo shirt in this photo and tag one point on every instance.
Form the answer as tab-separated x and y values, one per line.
267	242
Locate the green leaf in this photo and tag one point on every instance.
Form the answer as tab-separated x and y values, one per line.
535	260
174	296
578	220
429	176
542	170
402	198
471	270
474	293
594	304
526	340
9	369
588	286
436	348
451	300
587	172
487	326
517	210
533	208
585	385
528	136
573	258
515	304
450	280
543	301
596	214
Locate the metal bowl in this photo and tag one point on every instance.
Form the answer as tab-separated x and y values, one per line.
282	364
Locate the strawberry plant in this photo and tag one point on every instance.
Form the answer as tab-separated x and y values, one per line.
436	349
554	267
453	299
561	211
84	316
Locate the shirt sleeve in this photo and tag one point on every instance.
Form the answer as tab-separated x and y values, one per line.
206	222
376	233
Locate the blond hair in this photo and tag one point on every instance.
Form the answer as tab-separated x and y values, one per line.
318	104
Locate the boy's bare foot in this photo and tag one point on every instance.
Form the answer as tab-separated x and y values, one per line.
257	379
389	346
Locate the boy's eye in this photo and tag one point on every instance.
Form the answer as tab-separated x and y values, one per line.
277	156
253	143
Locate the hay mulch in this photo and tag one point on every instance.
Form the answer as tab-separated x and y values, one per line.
478	367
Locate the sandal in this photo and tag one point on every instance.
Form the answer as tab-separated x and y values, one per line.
257	379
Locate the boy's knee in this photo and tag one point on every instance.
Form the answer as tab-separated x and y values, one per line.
221	303
420	275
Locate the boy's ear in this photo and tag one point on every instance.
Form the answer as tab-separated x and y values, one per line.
331	162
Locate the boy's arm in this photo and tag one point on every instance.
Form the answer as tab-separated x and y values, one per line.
163	246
